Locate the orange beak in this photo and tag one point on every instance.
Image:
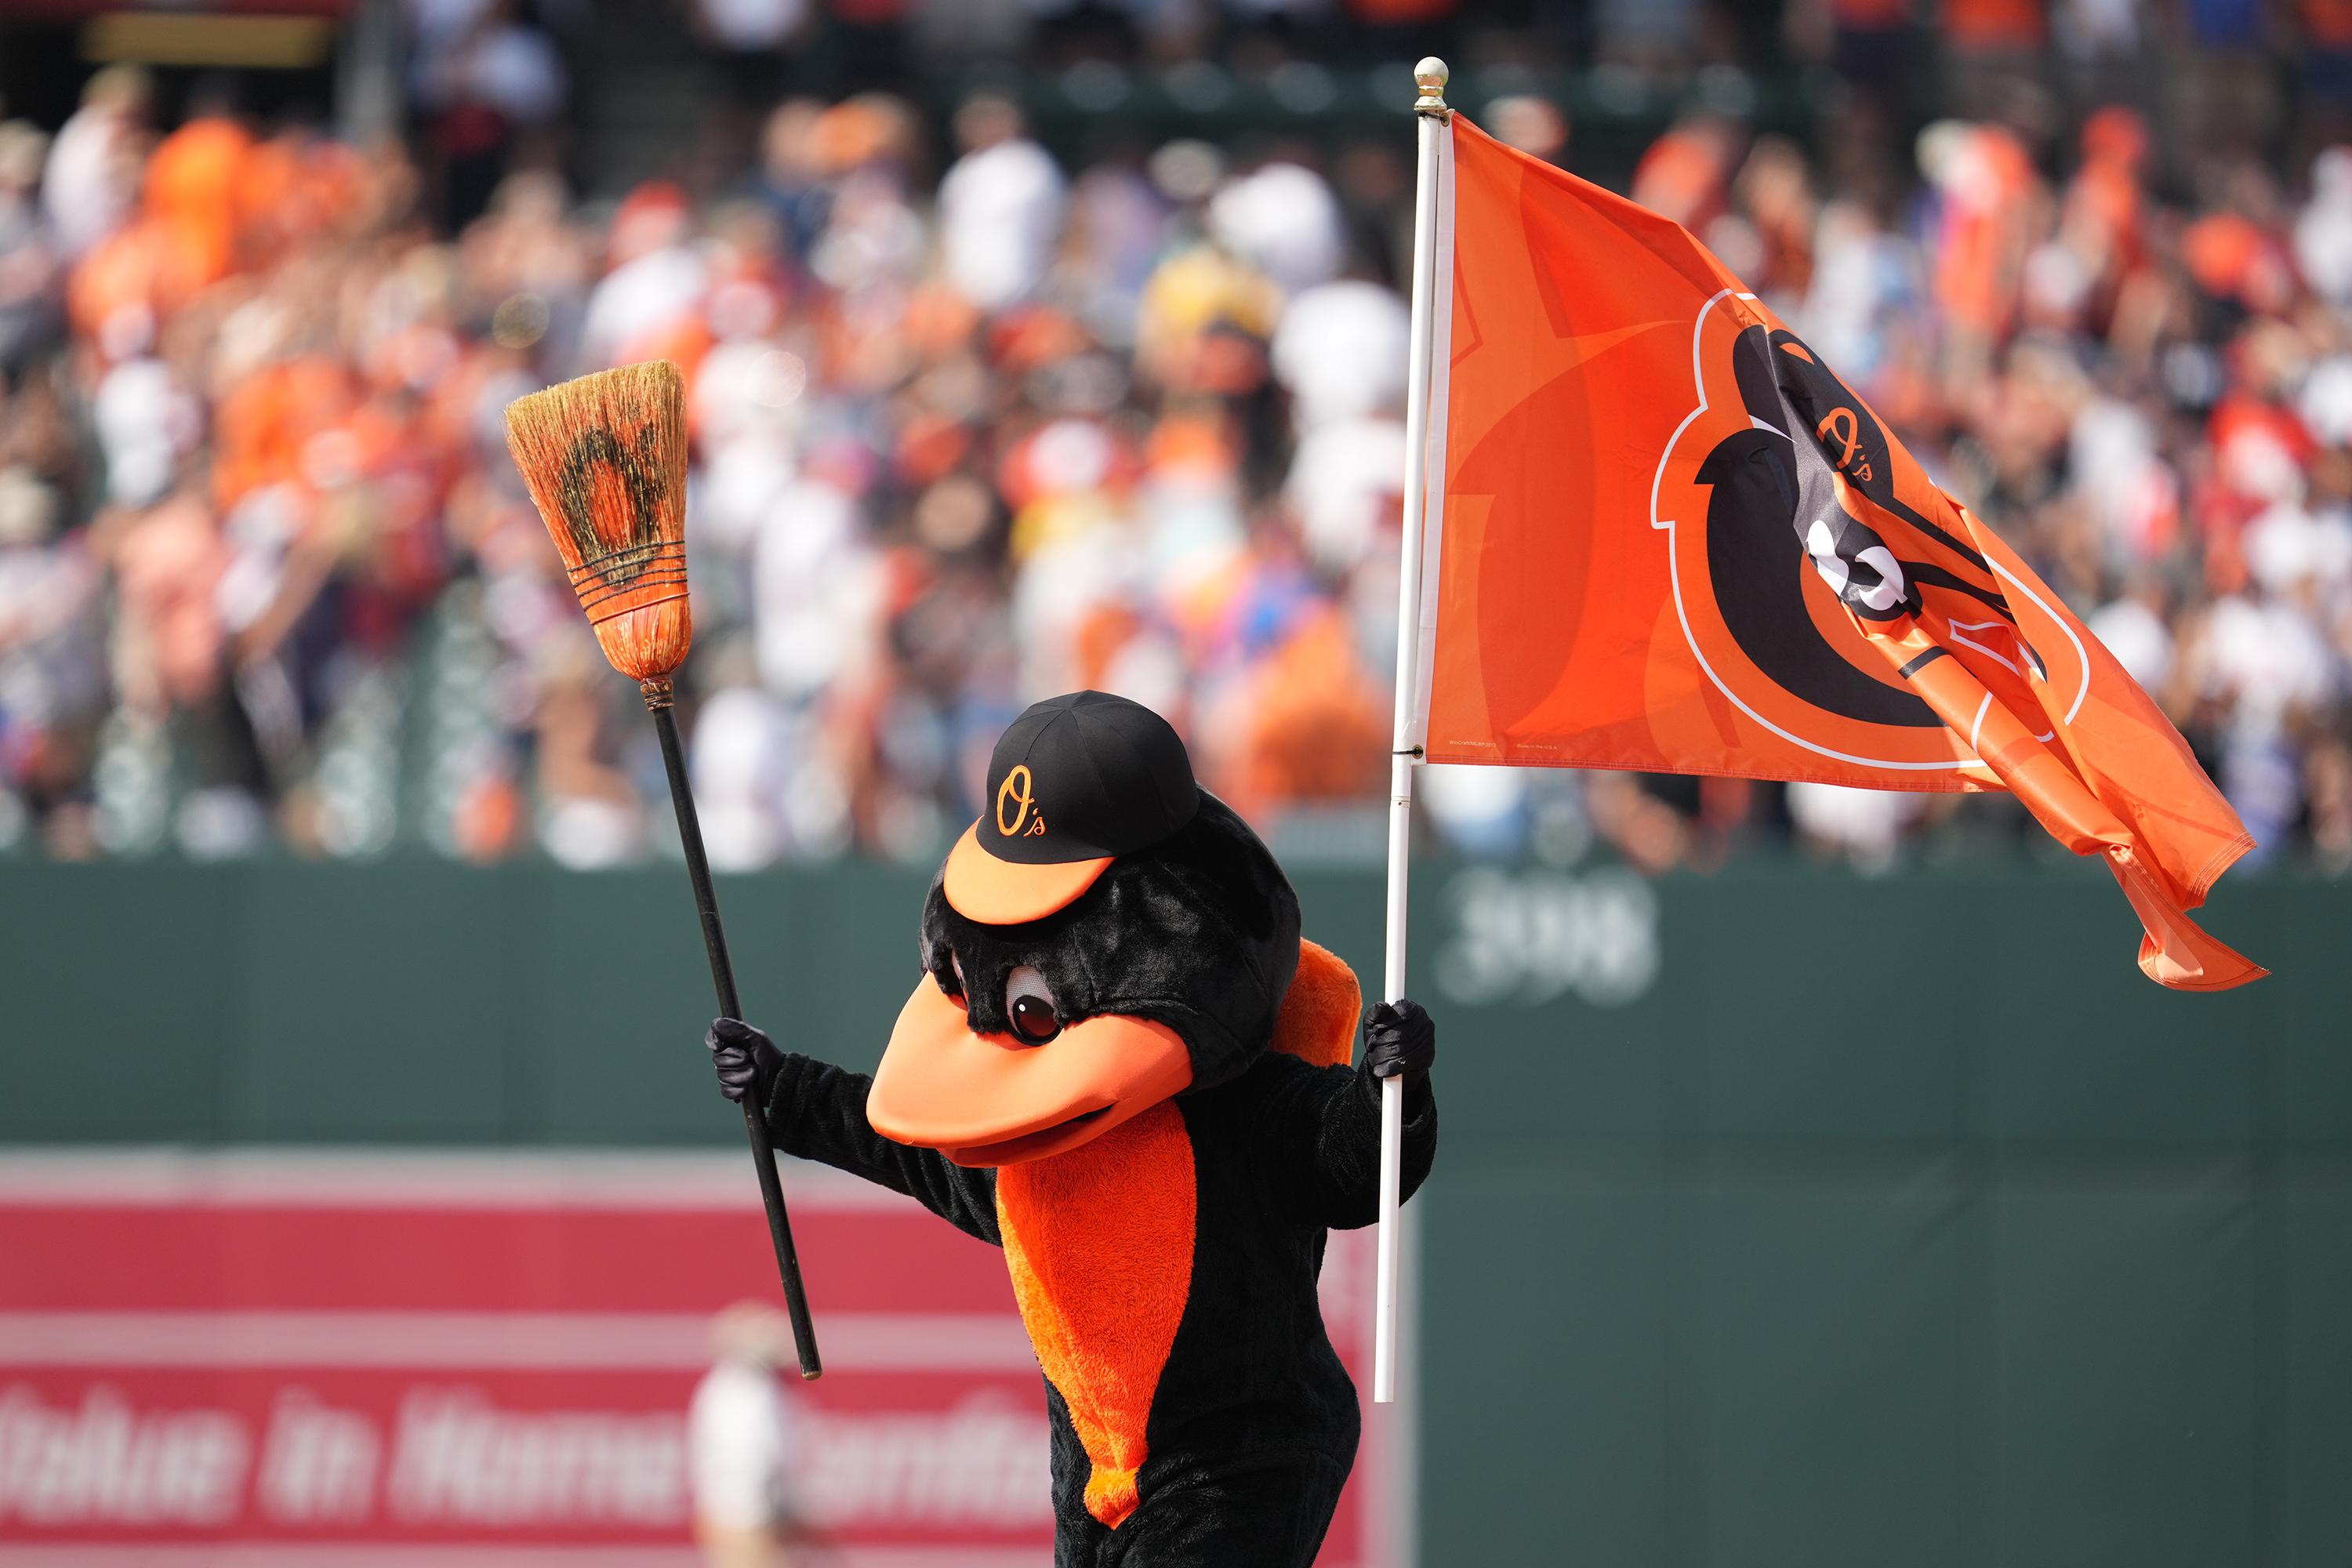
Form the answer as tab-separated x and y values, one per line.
992	1099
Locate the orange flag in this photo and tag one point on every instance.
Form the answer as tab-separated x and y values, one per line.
1668	537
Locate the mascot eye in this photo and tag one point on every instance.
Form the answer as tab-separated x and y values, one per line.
1029	1003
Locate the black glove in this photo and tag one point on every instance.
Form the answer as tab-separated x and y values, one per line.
1398	1039
747	1059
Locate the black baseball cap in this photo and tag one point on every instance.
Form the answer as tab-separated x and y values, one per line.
1075	783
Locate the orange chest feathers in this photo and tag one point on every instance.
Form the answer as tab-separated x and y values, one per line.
1099	1244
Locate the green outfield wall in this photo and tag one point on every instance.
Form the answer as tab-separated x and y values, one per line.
1781	1217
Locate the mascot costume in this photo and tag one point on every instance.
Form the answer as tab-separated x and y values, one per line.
1124	1067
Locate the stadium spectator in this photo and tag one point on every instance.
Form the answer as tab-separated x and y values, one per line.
739	1442
95	163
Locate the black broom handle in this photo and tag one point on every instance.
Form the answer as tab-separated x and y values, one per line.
722	975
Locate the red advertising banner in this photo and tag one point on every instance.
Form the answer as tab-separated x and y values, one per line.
451	1358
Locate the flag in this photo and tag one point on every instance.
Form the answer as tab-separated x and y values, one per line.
1661	533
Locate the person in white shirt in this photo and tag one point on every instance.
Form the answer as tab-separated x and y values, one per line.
1001	207
739	1446
92	182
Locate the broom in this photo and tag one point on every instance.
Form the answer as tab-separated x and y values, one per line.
605	457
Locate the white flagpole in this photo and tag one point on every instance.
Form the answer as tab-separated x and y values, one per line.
1430	76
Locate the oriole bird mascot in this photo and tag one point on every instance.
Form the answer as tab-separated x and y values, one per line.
1124	1067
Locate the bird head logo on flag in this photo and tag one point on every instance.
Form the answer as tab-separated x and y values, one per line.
1797	527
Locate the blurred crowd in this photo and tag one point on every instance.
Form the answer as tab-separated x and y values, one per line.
974	423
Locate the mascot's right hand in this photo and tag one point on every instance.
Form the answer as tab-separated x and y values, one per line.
746	1060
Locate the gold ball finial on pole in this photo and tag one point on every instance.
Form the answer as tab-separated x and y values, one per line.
1430	75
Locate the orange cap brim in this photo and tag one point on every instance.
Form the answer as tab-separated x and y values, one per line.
980	886
990	1100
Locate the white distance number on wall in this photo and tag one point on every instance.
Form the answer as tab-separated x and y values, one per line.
1532	936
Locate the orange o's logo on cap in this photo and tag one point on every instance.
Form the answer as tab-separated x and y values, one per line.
1016	792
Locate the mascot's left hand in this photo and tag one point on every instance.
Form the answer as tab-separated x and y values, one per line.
1400	1040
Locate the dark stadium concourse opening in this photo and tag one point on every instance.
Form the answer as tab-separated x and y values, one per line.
275	67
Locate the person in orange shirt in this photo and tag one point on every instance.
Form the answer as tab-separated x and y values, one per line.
196	188
264	423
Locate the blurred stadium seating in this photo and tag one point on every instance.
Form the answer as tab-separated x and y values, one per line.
979	415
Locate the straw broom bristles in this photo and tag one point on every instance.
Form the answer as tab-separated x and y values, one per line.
605	458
